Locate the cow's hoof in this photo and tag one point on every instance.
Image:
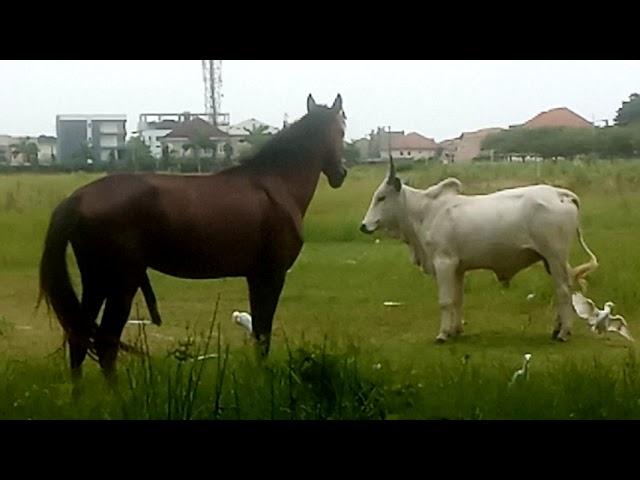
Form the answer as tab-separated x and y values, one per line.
562	338
554	334
441	339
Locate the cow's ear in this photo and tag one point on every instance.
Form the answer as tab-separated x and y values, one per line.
397	184
447	186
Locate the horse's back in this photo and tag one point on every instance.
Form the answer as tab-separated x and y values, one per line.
189	226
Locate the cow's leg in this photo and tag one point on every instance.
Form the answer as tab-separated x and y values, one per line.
459	291
564	318
446	274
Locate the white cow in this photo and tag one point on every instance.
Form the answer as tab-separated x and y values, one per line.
449	234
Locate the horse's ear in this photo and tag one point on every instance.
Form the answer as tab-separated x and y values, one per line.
337	104
311	104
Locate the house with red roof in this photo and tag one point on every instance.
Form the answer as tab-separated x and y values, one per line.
185	133
412	146
556	117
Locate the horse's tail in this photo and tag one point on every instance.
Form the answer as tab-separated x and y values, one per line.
55	284
578	273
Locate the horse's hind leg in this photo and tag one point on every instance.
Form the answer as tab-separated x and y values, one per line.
93	296
116	313
264	293
150	299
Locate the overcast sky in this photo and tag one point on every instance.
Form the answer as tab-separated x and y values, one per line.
439	99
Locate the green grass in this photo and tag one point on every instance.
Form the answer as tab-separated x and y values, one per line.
333	303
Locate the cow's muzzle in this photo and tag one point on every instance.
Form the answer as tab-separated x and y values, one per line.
365	229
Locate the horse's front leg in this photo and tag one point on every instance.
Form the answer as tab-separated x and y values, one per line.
264	294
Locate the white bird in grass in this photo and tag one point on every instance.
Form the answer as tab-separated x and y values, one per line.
243	319
600	321
523	373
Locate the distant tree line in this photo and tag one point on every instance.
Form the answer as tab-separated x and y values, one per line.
619	141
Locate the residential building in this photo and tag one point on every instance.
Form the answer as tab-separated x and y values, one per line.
101	136
10	155
412	146
47	148
556	117
5	148
466	147
363	145
378	140
178	140
245	127
153	126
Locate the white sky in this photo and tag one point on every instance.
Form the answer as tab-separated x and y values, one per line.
439	99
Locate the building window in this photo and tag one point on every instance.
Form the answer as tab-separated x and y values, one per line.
401	153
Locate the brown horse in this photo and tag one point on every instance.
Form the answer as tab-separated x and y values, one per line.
245	221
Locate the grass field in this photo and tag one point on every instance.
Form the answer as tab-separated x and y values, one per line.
337	351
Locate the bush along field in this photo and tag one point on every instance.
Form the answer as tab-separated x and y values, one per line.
337	351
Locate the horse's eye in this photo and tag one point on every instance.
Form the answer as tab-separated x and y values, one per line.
381	199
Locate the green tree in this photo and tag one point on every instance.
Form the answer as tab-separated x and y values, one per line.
228	153
137	155
165	158
28	150
200	142
351	153
257	137
629	112
614	142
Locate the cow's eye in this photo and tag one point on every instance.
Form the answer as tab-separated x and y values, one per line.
381	199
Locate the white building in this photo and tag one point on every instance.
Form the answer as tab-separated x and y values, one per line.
412	146
245	127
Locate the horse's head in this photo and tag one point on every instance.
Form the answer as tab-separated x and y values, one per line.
332	165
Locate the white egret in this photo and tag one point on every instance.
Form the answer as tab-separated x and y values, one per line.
523	373
600	321
243	319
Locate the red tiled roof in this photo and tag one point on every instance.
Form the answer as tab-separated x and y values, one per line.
193	127
413	141
557	117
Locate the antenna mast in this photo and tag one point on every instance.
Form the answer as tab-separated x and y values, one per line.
212	76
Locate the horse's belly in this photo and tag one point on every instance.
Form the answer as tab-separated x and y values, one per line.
208	260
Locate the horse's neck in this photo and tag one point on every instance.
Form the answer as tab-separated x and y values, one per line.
300	184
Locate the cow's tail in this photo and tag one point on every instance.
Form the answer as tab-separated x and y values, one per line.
579	273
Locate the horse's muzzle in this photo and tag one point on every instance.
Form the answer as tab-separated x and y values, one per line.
337	179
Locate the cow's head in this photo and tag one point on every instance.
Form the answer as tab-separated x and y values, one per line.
385	206
388	203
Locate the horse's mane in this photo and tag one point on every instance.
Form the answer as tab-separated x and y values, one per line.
293	143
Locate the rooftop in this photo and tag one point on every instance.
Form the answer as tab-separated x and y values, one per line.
557	117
